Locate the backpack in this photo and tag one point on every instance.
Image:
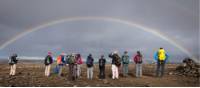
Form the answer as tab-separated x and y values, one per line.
161	55
117	60
59	60
125	59
10	62
90	62
71	59
139	59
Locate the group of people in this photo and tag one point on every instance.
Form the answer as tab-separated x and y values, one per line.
74	62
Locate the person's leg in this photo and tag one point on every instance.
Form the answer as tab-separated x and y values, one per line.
74	71
10	70
60	70
103	72
112	68
78	70
91	72
88	73
48	70
117	71
126	69
100	72
14	69
70	72
162	69
158	69
140	70
136	70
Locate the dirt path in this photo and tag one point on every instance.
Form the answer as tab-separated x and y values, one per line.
33	75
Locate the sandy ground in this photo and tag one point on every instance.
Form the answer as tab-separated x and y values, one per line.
33	75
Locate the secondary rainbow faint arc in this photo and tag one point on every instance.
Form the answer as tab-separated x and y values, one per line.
110	19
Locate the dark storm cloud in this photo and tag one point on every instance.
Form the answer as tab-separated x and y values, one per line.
177	19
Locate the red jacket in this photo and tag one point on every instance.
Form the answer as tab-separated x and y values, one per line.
137	59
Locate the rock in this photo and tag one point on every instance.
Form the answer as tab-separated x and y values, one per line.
171	73
188	68
105	81
11	85
97	85
88	86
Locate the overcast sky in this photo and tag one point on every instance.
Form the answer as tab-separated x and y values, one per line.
177	19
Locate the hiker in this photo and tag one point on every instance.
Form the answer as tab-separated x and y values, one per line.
79	62
13	64
125	62
102	62
60	63
138	64
161	57
116	63
48	61
71	60
90	64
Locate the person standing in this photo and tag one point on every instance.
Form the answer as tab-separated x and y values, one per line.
116	63
138	64
60	63
48	61
72	67
90	64
79	62
102	62
125	61
13	64
161	57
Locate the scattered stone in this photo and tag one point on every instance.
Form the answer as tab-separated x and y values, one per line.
105	81
188	68
171	73
97	85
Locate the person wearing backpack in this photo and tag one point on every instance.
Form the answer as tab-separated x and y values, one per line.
60	63
79	62
116	63
13	64
48	61
125	61
138	64
161	57
90	64
102	62
71	60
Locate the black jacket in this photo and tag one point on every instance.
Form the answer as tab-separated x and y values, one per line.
102	62
48	60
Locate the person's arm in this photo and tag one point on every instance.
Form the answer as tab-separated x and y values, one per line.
156	56
134	58
167	56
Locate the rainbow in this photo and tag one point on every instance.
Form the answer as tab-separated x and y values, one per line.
126	22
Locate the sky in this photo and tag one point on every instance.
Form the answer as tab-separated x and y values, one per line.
176	19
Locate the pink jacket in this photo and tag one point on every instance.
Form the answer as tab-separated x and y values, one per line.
79	61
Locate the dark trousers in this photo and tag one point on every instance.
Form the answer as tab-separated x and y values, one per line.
160	68
102	72
72	72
